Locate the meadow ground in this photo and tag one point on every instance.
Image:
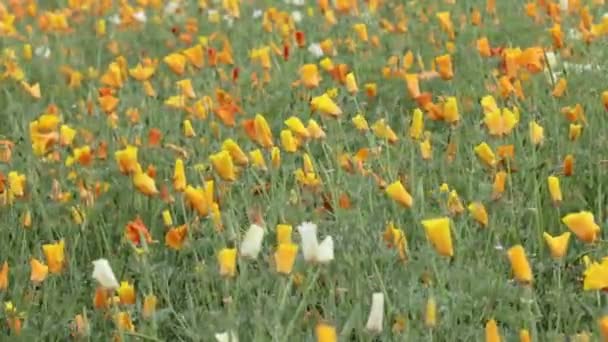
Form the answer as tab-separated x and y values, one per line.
160	160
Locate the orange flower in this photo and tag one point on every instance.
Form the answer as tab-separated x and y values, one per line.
149	307
175	237
197	199
492	333
135	230
560	88
444	63
4	276
39	271
519	264
309	75
55	256
483	46
568	165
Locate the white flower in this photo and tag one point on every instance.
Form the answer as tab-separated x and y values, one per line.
296	16
563	5
226	337
140	16
325	250
311	249
298	2
114	19
376	313
252	242
229	20
102	272
257	13
43	51
315	50
551	59
171	7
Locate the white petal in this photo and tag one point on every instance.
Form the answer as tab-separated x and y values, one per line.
102	272
226	337
296	16
563	5
252	242
376	313
140	16
308	233
171	7
315	50
257	13
325	251
298	2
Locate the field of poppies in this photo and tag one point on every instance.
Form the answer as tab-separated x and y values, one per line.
327	170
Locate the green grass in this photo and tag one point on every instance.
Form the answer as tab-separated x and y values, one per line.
194	301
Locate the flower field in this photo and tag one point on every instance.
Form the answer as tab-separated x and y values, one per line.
303	170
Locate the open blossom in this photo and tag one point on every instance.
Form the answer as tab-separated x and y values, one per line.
312	250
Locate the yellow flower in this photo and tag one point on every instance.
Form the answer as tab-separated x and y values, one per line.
236	153
188	130
498	187
360	123
426	149
554	189
66	135
55	256
519	264
262	131
603	323
257	159
275	157
417	125
176	62
127	159
438	233
485	153
479	213
455	206
16	184
395	237
288	141
283	233
227	262
197	198
444	65
430	313
222	163
492	333
315	130
575	131
167	219
179	176
383	131
583	225
195	55
325	105
450	110
296	126
326	333
123	321
351	83
141	73
397	192
126	293
596	276
149	307
558	245
285	257
144	183
537	133
185	86
500	123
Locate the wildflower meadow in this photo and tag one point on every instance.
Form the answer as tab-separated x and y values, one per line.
303	170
